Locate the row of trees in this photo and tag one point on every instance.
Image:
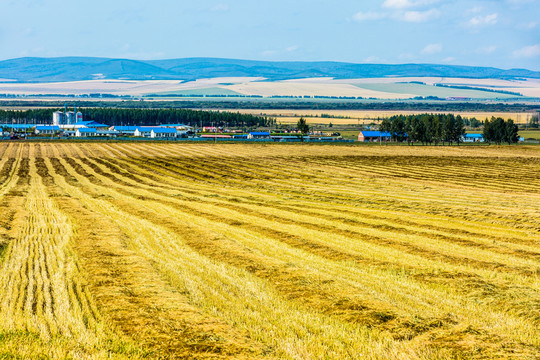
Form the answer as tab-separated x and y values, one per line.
111	116
294	104
497	130
425	128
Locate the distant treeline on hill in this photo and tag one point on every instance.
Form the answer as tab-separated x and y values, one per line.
292	105
112	116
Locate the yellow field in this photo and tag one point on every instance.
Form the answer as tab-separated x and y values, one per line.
123	251
353	117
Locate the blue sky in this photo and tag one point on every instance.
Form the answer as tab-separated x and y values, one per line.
500	33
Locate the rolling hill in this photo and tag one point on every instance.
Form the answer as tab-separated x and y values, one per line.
89	68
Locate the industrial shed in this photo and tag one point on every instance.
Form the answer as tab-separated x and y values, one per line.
46	129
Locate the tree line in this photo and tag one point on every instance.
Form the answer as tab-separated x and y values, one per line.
112	116
425	128
293	105
445	128
497	130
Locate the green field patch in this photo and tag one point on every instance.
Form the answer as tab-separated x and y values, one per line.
530	134
430	90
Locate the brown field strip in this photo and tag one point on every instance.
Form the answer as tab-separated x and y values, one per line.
150	250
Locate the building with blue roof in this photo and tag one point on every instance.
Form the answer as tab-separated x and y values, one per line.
92	132
90	124
163	132
472	138
46	129
373	136
259	135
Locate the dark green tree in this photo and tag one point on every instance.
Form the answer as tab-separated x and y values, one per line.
385	127
459	129
303	127
511	132
448	124
397	129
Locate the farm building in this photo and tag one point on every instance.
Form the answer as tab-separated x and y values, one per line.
373	136
163	133
85	132
179	127
86	124
125	130
472	138
288	138
46	129
91	132
143	131
259	135
216	136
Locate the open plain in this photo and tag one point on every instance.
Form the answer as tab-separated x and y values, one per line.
155	250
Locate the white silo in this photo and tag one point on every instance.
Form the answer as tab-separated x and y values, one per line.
70	118
79	116
58	118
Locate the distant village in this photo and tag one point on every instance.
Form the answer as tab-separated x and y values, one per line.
71	124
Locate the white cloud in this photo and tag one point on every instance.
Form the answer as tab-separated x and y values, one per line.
372	59
486	50
397	4
528	51
449	59
268	53
475	10
292	48
370	15
432	49
484	20
420	16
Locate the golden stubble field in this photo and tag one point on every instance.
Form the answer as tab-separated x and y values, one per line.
126	251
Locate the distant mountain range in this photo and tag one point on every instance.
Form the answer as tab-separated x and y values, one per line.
89	68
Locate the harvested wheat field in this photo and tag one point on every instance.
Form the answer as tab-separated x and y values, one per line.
128	251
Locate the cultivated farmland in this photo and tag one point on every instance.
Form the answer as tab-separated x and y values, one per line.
150	250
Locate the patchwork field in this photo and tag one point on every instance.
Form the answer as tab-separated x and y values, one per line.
126	251
368	88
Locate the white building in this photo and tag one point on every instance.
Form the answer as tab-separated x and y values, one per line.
163	133
143	131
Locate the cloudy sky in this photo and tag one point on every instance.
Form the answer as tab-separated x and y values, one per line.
500	33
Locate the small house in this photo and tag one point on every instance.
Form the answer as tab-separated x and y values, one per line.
374	136
472	138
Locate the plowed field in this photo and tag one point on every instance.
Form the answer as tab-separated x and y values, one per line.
126	251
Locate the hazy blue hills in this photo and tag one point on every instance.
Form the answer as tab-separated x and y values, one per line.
88	68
